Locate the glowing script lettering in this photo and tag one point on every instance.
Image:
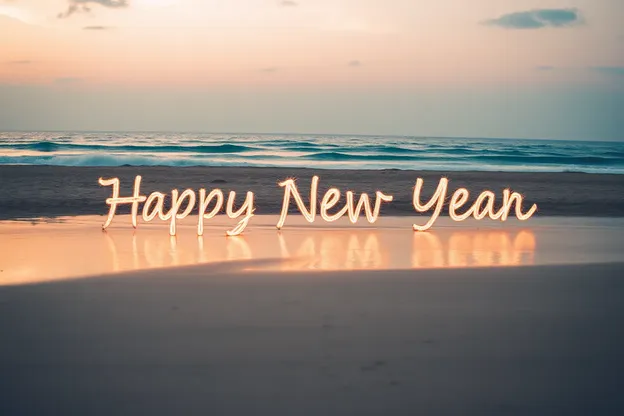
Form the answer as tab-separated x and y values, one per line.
211	204
155	206
460	197
329	201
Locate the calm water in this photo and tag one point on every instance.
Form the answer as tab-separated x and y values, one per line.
321	151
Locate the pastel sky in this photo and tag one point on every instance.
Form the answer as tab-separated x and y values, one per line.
478	68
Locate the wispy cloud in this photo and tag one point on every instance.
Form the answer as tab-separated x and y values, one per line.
76	6
20	62
537	19
354	63
96	28
268	70
288	3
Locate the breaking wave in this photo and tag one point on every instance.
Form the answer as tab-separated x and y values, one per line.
332	152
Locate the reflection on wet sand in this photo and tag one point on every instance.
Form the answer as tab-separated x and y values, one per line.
480	248
54	251
326	250
148	250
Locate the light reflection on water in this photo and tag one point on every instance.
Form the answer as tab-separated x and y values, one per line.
327	250
480	248
53	251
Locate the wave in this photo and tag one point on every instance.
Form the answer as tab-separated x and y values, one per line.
187	149
491	158
112	158
303	146
384	149
272	145
347	152
106	160
551	160
49	147
339	156
330	162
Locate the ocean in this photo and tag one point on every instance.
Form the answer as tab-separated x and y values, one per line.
317	151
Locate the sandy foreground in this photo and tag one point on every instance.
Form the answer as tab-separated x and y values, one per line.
541	340
524	318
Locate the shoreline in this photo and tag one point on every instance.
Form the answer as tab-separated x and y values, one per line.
53	191
321	168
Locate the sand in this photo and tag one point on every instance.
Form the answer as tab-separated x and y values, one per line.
542	340
478	318
38	191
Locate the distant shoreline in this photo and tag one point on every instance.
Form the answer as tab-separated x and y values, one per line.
50	191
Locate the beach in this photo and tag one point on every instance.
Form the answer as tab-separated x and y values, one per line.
51	191
473	317
517	341
311	208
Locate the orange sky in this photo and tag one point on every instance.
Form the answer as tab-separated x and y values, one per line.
256	42
525	54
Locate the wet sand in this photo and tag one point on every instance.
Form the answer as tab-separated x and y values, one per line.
50	191
75	247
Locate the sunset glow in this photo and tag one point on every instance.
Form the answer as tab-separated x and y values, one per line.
245	59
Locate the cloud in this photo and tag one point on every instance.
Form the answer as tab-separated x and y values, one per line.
354	63
20	62
76	6
96	28
545	68
269	70
288	3
537	19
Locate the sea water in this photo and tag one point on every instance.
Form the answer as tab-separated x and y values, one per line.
317	151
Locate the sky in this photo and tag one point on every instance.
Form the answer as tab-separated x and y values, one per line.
479	68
